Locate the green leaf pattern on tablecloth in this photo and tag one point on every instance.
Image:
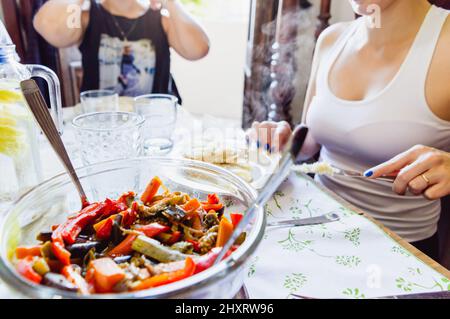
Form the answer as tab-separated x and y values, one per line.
353	235
354	293
343	254
292	244
294	282
400	250
252	268
348	261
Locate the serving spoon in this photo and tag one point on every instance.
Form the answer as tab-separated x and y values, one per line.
288	156
39	108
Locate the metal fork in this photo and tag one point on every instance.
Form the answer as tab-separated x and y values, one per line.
356	174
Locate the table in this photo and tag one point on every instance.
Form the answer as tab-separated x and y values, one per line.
353	258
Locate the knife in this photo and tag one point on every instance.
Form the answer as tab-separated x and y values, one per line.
323	219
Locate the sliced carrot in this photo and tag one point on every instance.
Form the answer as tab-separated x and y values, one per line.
225	231
106	274
196	222
124	248
151	190
24	251
192	205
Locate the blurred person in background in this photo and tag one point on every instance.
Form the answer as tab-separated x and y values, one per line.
125	44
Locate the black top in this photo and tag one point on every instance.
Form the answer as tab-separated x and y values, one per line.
130	56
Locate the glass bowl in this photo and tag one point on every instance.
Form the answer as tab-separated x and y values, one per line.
54	200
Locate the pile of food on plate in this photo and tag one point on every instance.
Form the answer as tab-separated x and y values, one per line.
128	244
230	155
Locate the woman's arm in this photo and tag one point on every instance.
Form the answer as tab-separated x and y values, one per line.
185	35
62	22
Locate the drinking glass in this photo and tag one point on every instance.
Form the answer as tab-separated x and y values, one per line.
99	101
105	136
160	113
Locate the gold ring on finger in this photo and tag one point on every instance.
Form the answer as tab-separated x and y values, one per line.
425	178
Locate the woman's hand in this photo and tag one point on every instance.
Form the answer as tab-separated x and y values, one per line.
421	169
271	136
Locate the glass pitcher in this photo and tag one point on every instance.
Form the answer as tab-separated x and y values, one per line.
20	167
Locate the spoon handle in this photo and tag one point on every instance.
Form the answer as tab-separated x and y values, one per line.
287	159
39	108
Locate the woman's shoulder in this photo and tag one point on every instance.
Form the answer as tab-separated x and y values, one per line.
330	35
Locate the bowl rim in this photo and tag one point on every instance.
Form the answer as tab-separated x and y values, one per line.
14	281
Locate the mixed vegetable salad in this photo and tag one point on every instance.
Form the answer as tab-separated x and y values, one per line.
130	244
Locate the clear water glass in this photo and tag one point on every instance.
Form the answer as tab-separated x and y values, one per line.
99	101
106	136
160	113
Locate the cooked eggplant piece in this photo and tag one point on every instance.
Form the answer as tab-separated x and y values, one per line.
221	211
122	259
44	236
46	250
211	219
58	281
174	214
88	257
154	249
207	242
87	232
183	247
79	250
116	233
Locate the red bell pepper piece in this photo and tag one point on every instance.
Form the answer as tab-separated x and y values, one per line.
153	229
24	251
176	235
25	268
124	248
125	198
151	190
69	230
74	277
168	277
213	199
72	228
130	215
206	261
104	231
58	249
195	244
235	218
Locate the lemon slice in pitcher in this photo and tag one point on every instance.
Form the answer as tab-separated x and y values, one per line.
10	96
11	137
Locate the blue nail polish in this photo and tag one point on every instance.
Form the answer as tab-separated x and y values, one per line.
258	144
267	147
368	173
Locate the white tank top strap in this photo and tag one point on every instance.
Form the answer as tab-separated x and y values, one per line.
322	76
417	63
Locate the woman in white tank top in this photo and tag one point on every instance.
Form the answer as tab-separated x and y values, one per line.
376	96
